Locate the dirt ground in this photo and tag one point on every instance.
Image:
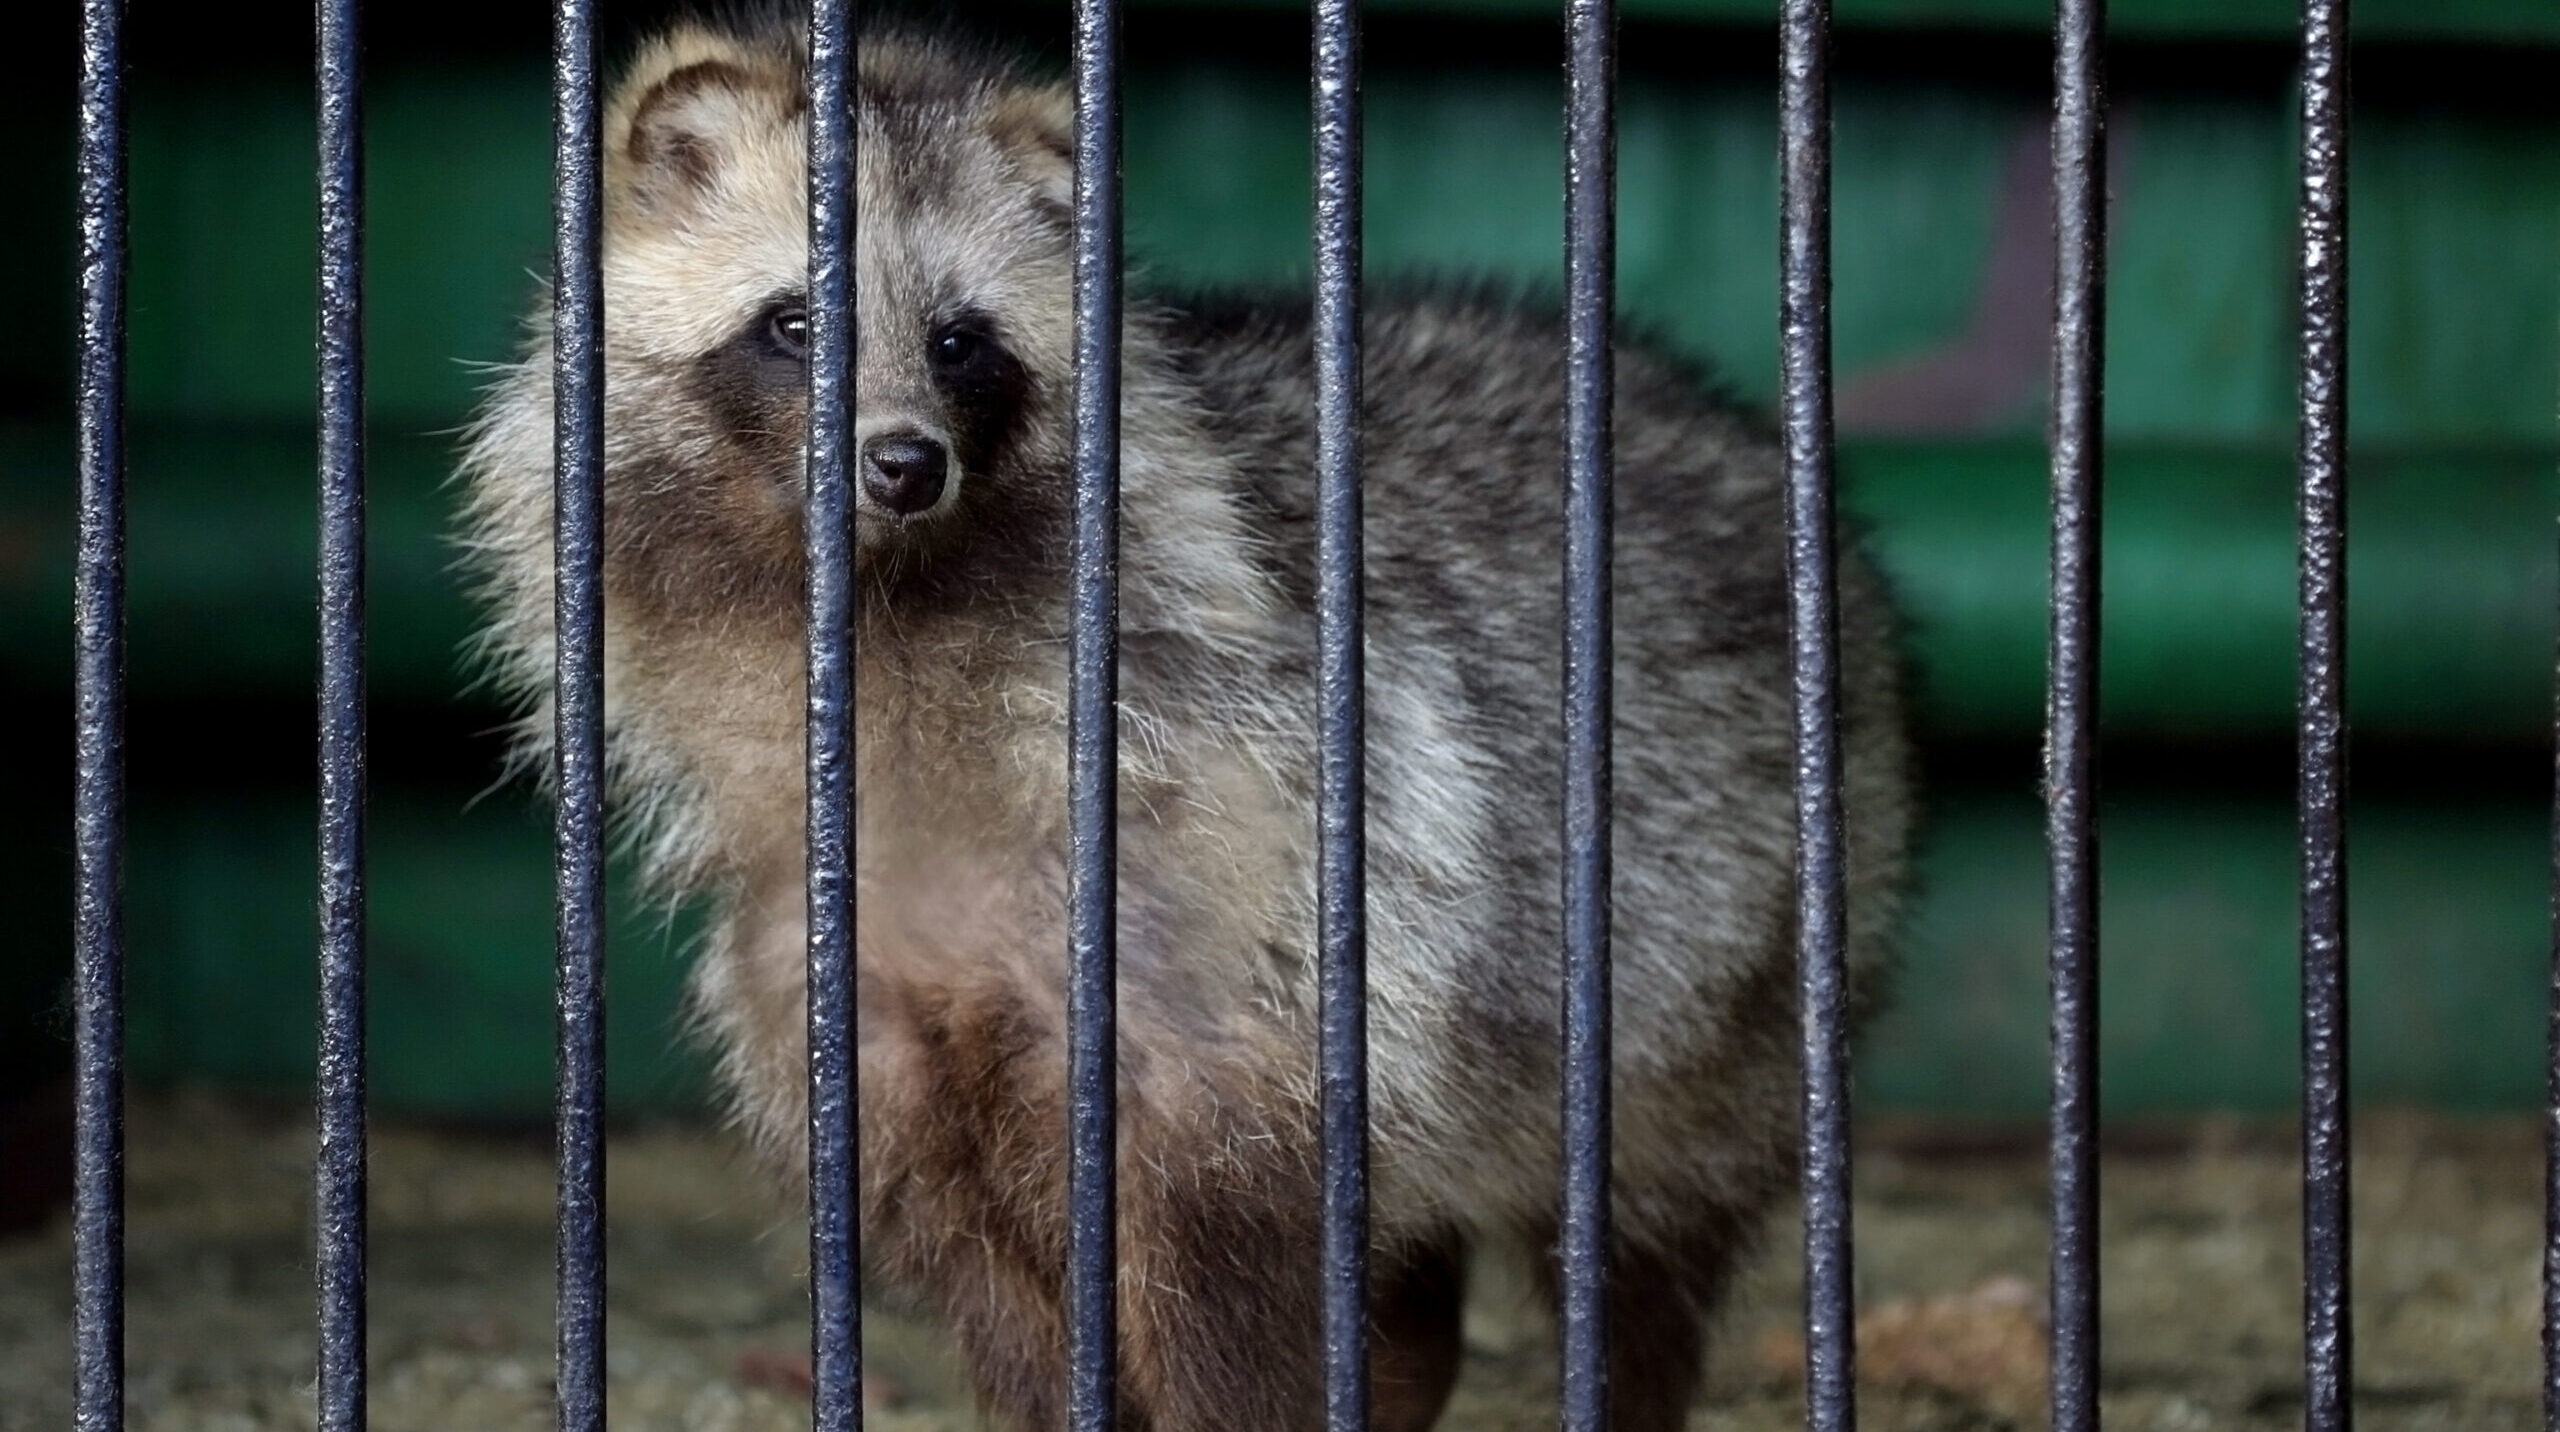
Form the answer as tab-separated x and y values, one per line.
2200	1268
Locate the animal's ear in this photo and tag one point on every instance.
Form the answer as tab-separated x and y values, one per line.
677	123
1036	125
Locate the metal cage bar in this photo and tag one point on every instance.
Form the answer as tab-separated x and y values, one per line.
1591	155
338	1195
2328	1345
98	805
2551	1107
2071	699
577	337
1813	635
835	1284
1342	739
1093	738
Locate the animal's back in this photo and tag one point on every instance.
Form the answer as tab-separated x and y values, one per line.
1463	497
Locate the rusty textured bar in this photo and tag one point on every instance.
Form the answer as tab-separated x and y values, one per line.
577	337
338	1195
1591	153
1093	743
2327	1329
1341	737
835	1285
2071	700
97	813
1813	623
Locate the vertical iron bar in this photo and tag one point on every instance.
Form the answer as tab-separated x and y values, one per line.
1093	738
2328	1337
338	1200
2551	1106
578	705
1591	156
1342	740
1813	635
2071	699
834	1260
98	798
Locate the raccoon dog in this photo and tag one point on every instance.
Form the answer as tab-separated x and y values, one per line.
963	383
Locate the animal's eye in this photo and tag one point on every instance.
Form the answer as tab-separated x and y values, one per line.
956	348
788	331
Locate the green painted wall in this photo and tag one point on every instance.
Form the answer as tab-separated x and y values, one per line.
2455	236
2433	19
2200	1000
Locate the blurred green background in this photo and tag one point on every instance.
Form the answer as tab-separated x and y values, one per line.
1943	273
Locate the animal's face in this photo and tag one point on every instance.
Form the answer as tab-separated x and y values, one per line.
961	283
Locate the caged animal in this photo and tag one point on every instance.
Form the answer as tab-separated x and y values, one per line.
961	618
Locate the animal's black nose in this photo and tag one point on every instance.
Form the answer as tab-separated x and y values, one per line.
903	472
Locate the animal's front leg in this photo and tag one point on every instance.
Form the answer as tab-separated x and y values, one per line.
1220	1318
964	1177
965	1194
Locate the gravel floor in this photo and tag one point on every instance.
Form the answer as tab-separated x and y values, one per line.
2201	1263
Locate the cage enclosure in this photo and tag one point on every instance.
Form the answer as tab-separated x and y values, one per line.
1940	304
